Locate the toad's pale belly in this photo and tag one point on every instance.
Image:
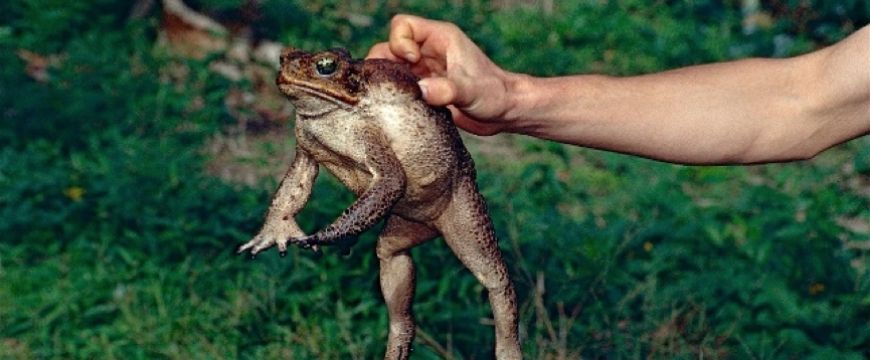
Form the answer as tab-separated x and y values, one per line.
422	140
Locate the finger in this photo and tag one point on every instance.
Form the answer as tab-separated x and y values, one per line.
413	37
345	251
246	246
382	51
428	67
438	91
305	242
260	247
467	89
403	43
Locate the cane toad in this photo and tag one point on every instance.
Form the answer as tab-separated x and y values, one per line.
366	123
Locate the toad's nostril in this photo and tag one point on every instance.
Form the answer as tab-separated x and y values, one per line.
281	79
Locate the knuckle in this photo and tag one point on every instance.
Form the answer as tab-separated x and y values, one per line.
384	251
398	18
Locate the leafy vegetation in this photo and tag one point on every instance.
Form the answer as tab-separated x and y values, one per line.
118	242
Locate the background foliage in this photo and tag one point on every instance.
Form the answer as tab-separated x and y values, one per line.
117	243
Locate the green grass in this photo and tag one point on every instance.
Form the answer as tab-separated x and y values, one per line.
118	241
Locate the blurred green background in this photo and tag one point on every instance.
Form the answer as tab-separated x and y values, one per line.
129	174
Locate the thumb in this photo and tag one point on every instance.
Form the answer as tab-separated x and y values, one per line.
438	91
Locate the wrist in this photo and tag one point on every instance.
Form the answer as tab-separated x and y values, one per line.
522	98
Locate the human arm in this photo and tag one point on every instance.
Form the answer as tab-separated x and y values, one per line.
746	111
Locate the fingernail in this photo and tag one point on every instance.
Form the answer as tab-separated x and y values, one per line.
423	88
411	57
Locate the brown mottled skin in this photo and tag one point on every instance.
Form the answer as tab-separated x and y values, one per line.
366	123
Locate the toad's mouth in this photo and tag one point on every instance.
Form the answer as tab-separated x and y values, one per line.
292	88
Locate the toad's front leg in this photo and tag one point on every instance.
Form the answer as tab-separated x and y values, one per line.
386	188
291	196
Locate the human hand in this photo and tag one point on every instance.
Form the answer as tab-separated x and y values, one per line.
454	72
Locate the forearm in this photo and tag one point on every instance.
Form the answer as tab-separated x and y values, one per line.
295	188
757	110
684	116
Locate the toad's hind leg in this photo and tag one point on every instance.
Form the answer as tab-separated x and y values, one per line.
397	280
468	231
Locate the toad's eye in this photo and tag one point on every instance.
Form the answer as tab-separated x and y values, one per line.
326	66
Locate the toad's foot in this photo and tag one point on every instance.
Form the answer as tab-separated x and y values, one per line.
344	243
273	233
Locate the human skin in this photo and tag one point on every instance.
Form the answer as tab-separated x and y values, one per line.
738	112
